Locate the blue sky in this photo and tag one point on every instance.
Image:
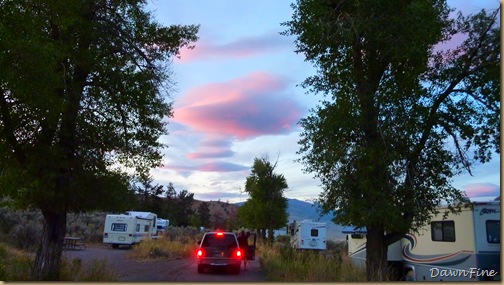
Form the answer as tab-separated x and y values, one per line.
236	98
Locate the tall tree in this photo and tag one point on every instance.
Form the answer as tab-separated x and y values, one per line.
203	213
380	141
183	209
267	207
83	102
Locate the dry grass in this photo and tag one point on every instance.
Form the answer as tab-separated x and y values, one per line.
15	265
163	249
282	263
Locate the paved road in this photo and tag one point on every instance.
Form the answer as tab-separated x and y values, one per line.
171	270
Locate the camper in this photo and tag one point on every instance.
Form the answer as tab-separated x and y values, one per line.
459	247
161	225
125	230
151	217
307	235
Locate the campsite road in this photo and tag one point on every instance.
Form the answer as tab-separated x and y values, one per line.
166	270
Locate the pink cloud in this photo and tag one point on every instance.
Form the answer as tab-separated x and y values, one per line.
244	108
478	190
243	47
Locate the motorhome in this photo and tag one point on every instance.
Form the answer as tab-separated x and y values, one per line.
125	230
307	235
462	246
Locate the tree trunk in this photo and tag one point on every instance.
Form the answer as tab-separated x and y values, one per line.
48	260
376	254
271	235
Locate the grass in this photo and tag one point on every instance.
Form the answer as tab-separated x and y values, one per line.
282	263
15	265
163	249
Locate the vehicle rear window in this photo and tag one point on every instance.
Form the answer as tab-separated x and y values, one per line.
211	240
119	227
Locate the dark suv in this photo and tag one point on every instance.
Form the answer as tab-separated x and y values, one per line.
219	249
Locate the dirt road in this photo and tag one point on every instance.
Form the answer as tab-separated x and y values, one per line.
170	270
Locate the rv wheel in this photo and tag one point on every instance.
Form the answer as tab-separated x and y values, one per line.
115	245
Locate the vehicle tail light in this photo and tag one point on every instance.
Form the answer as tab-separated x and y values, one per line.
200	253
238	254
105	235
220	234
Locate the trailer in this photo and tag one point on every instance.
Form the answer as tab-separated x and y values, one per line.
307	235
462	246
151	217
161	225
125	230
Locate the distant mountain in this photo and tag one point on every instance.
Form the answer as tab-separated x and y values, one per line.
300	210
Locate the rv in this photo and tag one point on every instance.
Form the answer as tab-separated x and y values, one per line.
152	217
463	246
307	235
128	229
162	224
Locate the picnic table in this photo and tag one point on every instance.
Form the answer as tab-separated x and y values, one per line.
73	243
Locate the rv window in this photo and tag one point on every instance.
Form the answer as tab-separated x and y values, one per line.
146	228
314	232
443	231
137	228
493	231
119	227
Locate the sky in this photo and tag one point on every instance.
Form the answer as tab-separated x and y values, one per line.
237	97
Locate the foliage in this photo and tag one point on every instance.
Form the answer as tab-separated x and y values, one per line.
379	142
94	270
175	243
83	102
14	264
282	263
203	213
267	207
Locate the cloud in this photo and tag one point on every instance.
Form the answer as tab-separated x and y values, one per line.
213	147
243	108
223	196
218	166
479	190
240	48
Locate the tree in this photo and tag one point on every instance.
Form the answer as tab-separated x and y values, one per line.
183	210
380	142
267	207
83	99
203	213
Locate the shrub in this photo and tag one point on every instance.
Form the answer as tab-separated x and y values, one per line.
95	270
282	263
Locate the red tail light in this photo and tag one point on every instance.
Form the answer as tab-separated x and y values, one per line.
238	254
220	234
200	253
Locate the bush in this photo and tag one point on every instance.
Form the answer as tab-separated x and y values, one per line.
14	264
95	270
283	263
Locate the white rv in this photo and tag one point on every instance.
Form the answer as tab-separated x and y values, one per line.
307	235
152	217
460	247
161	225
125	230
